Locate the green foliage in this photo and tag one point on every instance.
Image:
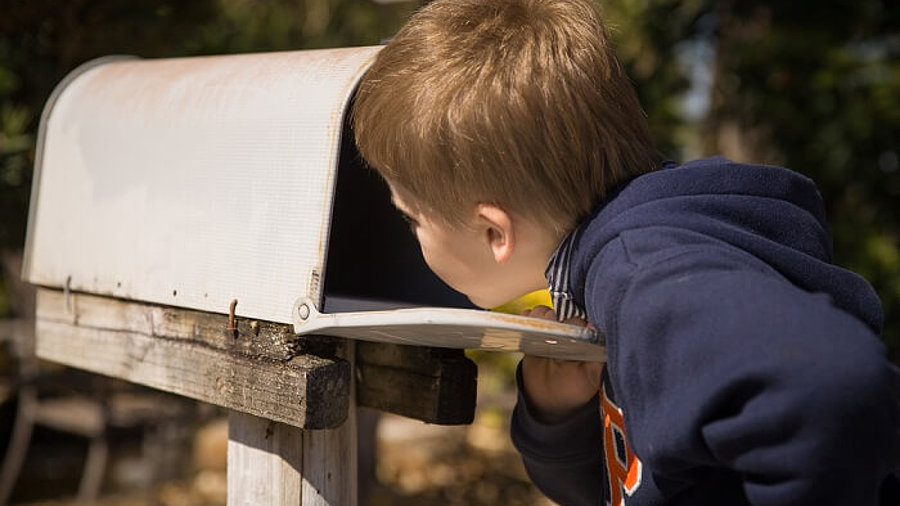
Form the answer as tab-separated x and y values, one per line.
646	36
246	25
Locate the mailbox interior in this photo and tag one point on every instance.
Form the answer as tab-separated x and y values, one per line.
374	260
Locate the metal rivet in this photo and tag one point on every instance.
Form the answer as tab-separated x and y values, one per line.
303	311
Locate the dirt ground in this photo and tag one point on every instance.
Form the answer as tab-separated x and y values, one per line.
415	463
418	464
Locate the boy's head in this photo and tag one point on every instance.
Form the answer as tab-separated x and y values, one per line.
520	103
482	114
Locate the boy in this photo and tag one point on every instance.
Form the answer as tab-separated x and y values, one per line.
743	368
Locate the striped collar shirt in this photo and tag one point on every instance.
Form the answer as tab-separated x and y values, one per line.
557	274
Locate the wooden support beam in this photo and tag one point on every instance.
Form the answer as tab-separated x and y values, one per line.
330	457
277	464
192	353
261	368
265	461
435	385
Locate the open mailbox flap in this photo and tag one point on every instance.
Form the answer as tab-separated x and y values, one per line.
378	287
453	328
193	182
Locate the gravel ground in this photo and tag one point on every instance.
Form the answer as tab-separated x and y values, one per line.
416	464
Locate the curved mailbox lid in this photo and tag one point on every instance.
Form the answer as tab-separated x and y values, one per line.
455	328
190	182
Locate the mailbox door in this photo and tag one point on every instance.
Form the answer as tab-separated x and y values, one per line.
453	328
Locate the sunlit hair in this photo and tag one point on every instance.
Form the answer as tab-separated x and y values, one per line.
520	103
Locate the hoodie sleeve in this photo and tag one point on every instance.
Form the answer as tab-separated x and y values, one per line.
563	459
723	365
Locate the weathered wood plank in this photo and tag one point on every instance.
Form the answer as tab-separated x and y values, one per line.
125	340
277	464
330	457
435	385
423	360
251	337
265	462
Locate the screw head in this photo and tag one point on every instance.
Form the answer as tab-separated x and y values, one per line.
303	311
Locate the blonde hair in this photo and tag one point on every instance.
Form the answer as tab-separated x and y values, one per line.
520	103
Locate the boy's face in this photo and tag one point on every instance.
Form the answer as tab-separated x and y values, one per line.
474	259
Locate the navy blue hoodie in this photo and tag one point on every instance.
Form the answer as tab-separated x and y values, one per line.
743	366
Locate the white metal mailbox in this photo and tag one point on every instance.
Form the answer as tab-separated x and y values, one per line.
194	182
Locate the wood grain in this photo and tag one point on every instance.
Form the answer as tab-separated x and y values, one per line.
191	353
260	368
435	385
265	462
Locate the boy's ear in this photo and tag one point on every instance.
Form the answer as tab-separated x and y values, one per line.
499	231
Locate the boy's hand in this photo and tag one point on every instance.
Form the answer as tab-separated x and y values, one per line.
556	388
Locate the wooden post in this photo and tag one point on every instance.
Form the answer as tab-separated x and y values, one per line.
274	463
435	385
330	456
265	461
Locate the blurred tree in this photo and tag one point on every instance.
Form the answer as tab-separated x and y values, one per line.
647	35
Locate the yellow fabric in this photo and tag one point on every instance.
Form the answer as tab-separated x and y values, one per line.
525	302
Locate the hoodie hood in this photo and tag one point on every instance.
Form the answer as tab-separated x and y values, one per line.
772	213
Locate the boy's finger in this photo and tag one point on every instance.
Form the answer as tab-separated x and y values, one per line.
543	312
578	322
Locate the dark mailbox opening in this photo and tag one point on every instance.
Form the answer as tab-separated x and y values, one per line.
373	257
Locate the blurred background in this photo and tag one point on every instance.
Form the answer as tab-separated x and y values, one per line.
814	86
